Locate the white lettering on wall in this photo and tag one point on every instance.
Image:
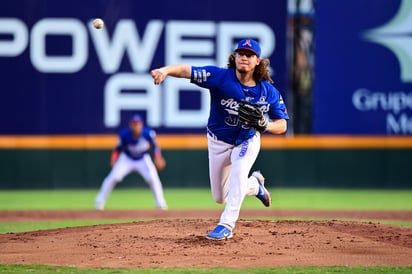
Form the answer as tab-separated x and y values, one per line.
177	46
58	26
115	100
365	100
396	103
399	125
176	117
140	52
16	28
196	43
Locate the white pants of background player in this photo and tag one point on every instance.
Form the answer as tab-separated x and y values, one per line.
229	167
123	166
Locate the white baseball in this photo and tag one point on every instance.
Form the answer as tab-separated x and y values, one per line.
98	23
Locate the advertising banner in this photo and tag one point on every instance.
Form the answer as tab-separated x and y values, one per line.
60	75
363	61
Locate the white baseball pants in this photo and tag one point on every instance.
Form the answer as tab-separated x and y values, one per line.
229	167
123	166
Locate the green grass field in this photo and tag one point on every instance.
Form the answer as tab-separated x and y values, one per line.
142	198
195	199
280	270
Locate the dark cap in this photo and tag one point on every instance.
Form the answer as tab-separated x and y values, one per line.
249	44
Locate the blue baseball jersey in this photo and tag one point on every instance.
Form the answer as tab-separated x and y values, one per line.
226	92
136	148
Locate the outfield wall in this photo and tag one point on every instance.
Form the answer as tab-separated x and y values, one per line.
336	162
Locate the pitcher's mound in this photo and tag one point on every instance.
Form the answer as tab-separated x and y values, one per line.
181	243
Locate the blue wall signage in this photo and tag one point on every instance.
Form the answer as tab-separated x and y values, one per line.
62	76
363	61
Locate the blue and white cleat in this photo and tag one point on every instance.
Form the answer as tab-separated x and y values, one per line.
263	194
220	233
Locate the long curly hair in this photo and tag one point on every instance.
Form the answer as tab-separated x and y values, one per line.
261	71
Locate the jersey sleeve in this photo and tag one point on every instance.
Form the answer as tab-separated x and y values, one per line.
207	76
120	141
278	109
119	145
151	137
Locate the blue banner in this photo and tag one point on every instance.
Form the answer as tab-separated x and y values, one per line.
363	60
62	76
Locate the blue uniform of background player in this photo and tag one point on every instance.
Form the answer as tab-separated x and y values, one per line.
132	153
233	146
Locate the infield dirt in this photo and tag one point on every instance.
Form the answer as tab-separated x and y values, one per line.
176	239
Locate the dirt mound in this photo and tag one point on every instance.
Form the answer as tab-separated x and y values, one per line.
181	243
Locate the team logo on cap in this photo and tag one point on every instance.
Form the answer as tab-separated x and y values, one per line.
247	43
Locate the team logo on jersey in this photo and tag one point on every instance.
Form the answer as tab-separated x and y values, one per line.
264	104
231	106
396	36
248	99
262	100
140	147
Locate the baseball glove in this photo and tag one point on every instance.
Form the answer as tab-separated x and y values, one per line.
251	115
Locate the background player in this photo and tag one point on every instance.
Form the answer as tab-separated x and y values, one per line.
132	153
243	103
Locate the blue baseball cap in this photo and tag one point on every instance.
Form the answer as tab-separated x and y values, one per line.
249	44
135	118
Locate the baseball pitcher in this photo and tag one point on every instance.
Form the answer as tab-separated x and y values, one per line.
244	103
